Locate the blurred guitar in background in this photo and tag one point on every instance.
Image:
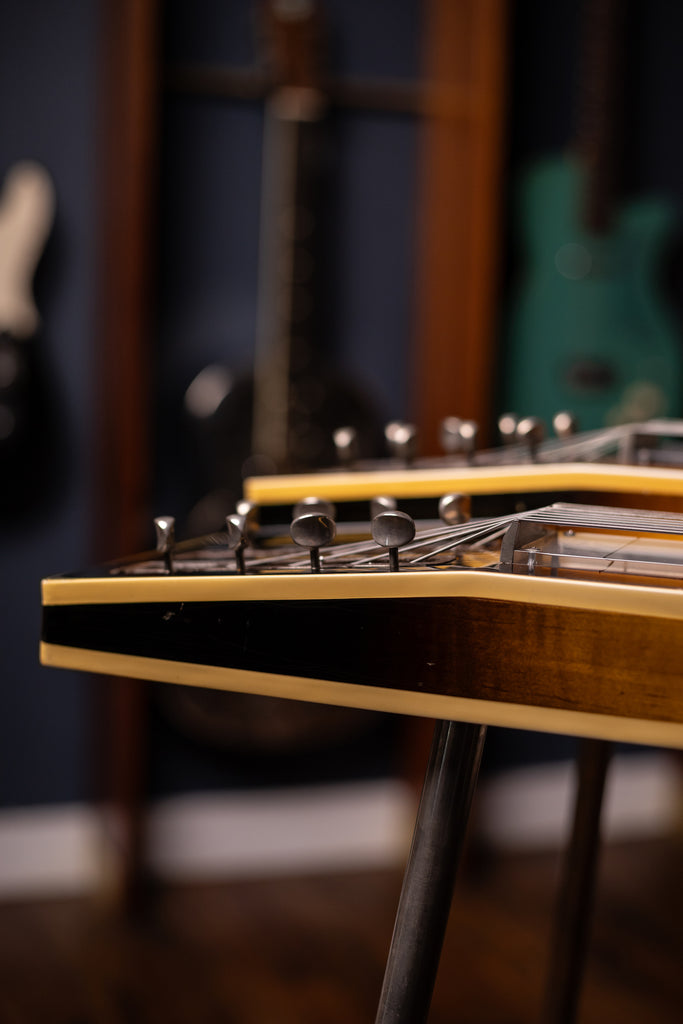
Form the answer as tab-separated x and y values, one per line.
283	416
590	331
27	429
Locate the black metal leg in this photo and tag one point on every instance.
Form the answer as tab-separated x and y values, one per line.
429	878
575	901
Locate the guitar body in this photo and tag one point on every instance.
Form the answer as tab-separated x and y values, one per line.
219	450
590	332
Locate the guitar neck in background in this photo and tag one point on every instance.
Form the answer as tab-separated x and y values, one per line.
600	115
286	363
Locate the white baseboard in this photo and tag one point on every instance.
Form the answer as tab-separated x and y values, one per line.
68	849
531	806
64	850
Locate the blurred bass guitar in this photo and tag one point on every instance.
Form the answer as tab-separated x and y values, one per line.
590	330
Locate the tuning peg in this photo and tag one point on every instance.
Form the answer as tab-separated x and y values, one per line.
565	424
381	503
401	440
346	445
531	431
165	533
454	509
469	431
449	434
249	511
314	506
313	531
393	530
507	427
236	529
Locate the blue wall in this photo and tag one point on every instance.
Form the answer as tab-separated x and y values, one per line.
48	93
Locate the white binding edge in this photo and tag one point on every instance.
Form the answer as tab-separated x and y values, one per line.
324	691
653	602
426	483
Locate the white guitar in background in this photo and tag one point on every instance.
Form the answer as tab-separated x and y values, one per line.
27	206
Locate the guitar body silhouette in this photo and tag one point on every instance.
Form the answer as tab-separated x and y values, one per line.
590	332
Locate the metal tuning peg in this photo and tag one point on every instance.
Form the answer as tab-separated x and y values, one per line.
314	506
531	431
393	530
249	511
565	424
449	434
236	529
313	531
381	503
469	431
454	509
346	445
401	440
507	427
165	533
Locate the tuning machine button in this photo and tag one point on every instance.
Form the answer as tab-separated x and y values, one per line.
449	434
507	427
469	432
382	503
165	538
249	511
531	431
393	530
454	509
314	506
237	533
346	445
457	435
565	424
401	440
313	531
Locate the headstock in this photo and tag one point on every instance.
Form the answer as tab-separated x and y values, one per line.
568	618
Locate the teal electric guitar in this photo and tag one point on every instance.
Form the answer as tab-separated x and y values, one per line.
590	330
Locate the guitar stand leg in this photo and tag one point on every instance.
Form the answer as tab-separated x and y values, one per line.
575	898
429	877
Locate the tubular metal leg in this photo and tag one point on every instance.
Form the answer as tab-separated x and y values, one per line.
575	900
429	878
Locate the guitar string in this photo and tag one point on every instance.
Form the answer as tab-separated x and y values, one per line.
440	540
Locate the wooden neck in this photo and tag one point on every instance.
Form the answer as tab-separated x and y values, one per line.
286	318
290	214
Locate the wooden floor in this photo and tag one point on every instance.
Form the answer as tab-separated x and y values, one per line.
311	950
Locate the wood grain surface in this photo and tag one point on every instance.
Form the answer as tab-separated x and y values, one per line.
310	950
569	659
